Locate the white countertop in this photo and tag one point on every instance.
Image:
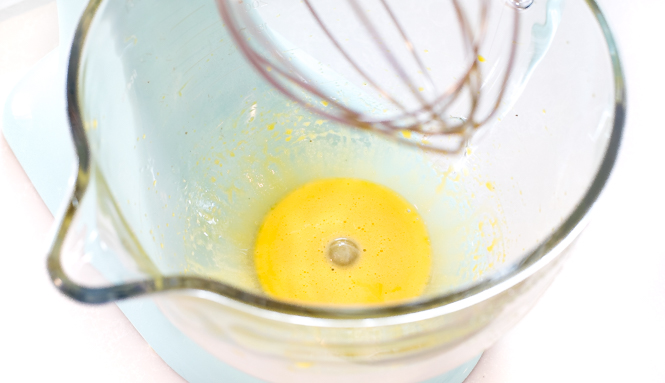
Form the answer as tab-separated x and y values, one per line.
603	319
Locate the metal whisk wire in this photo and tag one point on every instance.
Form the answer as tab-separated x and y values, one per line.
428	120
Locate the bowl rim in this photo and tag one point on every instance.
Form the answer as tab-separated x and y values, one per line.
548	249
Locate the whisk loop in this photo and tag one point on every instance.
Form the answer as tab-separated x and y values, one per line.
375	73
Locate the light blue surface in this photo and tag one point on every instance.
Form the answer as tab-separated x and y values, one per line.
38	132
457	375
181	353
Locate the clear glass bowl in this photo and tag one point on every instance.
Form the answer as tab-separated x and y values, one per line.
182	149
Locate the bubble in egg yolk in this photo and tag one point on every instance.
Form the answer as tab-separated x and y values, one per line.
344	241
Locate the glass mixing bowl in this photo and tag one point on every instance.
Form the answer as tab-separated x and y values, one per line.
183	148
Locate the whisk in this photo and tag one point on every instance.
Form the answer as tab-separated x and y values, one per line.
413	71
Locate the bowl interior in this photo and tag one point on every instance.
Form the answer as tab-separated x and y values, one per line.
190	148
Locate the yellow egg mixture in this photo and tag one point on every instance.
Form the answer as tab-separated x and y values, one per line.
345	241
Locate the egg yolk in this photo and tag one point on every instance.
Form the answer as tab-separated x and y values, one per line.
344	241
